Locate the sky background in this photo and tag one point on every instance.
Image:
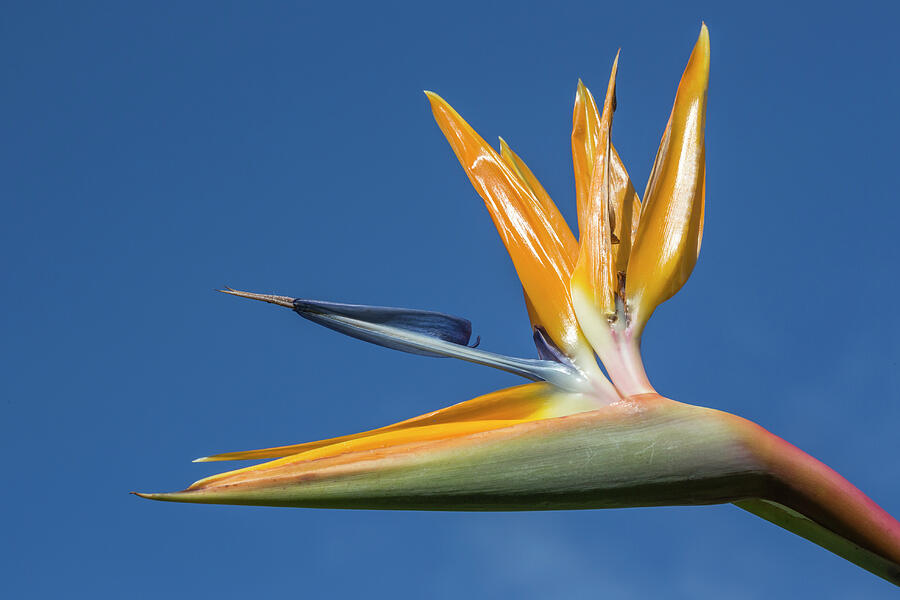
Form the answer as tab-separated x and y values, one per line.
152	153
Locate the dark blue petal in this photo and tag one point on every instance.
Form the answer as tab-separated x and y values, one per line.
546	349
455	330
427	333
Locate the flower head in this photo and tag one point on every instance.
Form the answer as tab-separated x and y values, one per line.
572	438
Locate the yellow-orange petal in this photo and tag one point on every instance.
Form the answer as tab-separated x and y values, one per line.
510	406
585	129
594	275
533	317
558	222
668	237
522	402
537	251
626	208
560	226
624	203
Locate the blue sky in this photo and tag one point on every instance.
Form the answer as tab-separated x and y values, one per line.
153	153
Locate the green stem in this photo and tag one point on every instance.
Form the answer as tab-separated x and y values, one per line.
810	499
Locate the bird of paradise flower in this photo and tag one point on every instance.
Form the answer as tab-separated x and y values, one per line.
572	439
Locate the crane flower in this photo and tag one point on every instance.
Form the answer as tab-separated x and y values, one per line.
572	438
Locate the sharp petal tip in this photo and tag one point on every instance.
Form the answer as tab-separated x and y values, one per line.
285	301
162	496
703	38
438	104
201	459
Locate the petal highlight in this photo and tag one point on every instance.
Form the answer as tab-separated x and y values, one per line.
557	221
624	203
594	277
668	236
539	255
597	279
520	403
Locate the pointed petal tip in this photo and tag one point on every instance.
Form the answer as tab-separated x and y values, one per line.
433	97
507	153
531	234
147	496
614	71
202	459
182	496
439	105
703	40
285	301
671	224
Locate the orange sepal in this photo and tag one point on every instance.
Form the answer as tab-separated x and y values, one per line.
539	255
671	225
519	403
594	275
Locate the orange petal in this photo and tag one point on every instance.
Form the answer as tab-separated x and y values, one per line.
533	317
668	237
558	222
511	406
585	130
594	277
538	253
562	229
626	207
624	203
520	403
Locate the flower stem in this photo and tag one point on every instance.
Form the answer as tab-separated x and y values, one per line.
810	499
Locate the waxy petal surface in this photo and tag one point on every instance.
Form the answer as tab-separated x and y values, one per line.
520	403
585	130
626	207
540	256
624	203
557	221
448	328
668	237
594	276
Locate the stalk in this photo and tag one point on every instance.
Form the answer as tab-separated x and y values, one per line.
808	498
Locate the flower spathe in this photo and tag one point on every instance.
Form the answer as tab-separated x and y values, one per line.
572	438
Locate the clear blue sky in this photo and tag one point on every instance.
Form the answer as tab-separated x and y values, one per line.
151	154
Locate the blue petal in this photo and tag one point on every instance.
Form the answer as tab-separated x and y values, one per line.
426	333
455	330
546	349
